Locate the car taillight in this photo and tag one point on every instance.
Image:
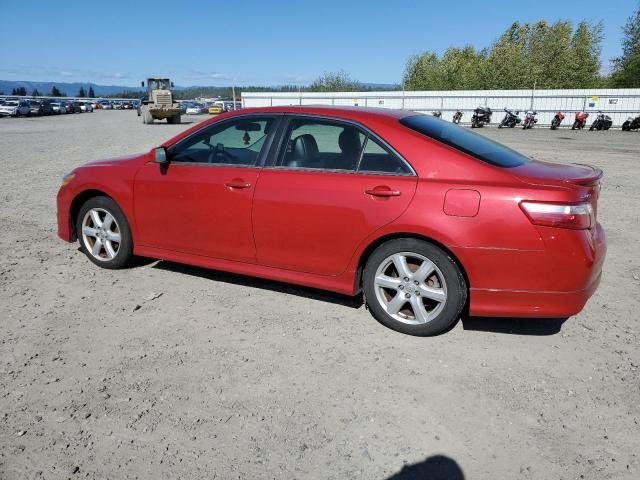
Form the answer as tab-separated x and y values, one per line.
575	216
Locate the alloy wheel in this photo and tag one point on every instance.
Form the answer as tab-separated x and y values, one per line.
101	234
410	288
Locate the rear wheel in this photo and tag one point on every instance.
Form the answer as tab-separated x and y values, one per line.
414	287
104	233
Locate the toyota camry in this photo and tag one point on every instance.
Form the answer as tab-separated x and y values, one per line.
426	218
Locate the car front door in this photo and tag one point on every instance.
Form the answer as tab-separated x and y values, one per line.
331	185
201	202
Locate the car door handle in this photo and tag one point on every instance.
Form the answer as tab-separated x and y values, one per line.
237	183
383	191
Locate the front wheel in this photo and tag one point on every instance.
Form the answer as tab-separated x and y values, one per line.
414	287
104	233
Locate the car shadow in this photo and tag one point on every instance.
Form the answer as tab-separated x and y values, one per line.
436	467
161	122
514	326
254	282
511	326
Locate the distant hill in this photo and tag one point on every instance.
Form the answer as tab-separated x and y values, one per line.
70	89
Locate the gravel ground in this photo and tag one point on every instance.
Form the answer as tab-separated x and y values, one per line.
167	371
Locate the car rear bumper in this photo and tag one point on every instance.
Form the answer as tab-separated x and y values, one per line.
505	303
555	282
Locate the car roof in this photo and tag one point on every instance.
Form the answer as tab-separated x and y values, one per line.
346	112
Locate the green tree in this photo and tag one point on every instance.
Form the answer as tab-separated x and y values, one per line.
20	91
626	68
82	93
463	69
586	48
91	93
35	93
548	56
55	92
506	60
423	72
335	82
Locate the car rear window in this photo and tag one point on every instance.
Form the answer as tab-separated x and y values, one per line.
462	139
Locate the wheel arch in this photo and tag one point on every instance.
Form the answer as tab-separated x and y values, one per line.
77	203
369	249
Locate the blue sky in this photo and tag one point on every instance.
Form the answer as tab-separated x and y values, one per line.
266	42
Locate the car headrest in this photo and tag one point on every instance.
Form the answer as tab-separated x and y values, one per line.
304	148
349	141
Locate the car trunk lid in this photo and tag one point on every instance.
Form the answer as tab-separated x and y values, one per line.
584	179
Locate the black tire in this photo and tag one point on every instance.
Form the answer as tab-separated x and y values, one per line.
626	125
447	274
124	252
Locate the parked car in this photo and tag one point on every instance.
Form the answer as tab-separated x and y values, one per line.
425	217
40	107
15	108
193	109
127	106
76	106
215	109
105	105
68	106
58	107
86	107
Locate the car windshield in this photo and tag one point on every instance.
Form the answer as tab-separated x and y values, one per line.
462	139
159	84
11	104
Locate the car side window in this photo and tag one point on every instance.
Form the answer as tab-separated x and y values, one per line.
320	144
377	158
236	142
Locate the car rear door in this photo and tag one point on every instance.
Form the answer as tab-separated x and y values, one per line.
330	185
201	203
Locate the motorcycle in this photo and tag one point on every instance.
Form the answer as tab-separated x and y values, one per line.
510	119
437	113
481	117
557	120
602	122
580	121
631	124
530	120
457	117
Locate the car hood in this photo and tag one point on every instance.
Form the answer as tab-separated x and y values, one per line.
118	161
537	172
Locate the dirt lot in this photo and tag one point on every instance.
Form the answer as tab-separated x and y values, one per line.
223	376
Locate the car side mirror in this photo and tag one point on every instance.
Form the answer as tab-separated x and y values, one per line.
160	156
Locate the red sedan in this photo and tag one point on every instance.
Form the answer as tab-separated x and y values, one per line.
425	217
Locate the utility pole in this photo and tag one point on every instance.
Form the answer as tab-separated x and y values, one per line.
532	94
233	94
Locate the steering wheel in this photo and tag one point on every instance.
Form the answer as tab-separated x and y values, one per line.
219	150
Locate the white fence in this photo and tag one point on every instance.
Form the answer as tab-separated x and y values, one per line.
618	103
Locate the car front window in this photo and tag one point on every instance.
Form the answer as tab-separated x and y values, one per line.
237	142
